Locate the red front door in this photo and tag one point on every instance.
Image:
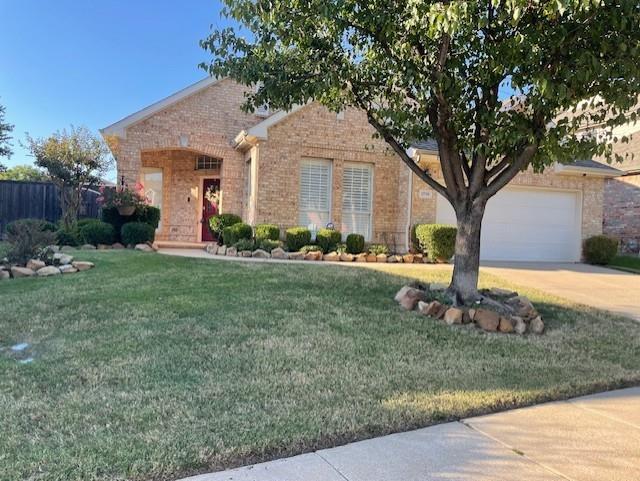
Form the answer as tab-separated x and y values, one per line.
208	209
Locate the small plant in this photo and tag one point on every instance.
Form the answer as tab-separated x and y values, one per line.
296	237
327	239
600	249
217	224
124	198
436	240
355	243
310	248
377	249
27	238
267	231
94	231
68	237
137	233
341	248
269	244
235	232
147	214
244	245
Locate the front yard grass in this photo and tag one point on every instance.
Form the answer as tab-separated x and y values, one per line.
627	263
151	367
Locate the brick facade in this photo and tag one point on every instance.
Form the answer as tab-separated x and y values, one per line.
261	181
622	206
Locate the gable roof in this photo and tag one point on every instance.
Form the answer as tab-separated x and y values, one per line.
260	131
119	128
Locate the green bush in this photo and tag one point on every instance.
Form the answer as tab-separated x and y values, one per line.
599	249
144	213
296	237
68	237
137	233
269	244
235	232
341	248
244	245
327	239
267	231
310	248
355	243
438	241
147	214
27	238
377	249
218	223
96	232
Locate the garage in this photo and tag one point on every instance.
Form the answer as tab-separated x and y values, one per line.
527	224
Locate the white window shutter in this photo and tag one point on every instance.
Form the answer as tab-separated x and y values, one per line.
357	180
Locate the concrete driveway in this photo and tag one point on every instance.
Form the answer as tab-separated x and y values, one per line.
609	289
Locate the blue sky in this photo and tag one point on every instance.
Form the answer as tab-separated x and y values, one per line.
91	63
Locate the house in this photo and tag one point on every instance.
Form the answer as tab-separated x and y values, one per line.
313	167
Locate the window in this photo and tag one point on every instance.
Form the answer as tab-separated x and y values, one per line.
357	182
206	162
315	193
151	180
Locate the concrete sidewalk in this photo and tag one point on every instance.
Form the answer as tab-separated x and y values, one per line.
592	438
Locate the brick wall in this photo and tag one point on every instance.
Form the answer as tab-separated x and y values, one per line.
622	207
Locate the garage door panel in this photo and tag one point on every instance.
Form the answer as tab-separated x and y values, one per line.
526	224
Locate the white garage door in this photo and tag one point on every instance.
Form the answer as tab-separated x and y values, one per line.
525	224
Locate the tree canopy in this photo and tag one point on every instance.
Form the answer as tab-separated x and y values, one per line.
501	85
23	173
5	137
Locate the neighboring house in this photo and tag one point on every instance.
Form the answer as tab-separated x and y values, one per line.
312	167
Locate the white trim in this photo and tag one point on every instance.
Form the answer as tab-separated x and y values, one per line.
119	128
608	172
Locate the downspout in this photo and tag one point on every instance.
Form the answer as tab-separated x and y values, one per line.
407	237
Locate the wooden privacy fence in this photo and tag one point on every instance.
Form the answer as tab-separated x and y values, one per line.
38	200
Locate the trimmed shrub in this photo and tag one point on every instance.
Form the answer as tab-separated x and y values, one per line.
599	249
144	213
377	249
327	239
68	237
436	240
267	231
218	223
27	238
269	244
355	243
245	245
310	248
137	233
147	214
235	232
96	232
296	237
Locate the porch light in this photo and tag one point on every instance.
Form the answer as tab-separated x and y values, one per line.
184	140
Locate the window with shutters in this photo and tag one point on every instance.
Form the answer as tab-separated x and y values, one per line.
315	193
357	187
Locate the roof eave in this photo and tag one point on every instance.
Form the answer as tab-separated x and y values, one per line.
575	170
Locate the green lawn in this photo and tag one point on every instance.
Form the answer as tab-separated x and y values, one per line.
151	367
628	263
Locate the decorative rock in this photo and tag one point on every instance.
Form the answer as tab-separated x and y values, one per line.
453	315
409	296
498	292
536	325
417	258
505	325
103	247
4	275
53	248
407	258
231	252
88	247
313	256
438	287
35	264
466	317
393	259
372	258
82	265
245	253
296	256
433	309
67	249
144	248
222	250
260	254
361	257
62	259
22	272
67	269
345	257
487	320
117	245
278	253
519	326
381	258
212	248
49	271
331	257
471	313
523	307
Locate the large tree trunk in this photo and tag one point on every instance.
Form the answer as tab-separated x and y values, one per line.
464	283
